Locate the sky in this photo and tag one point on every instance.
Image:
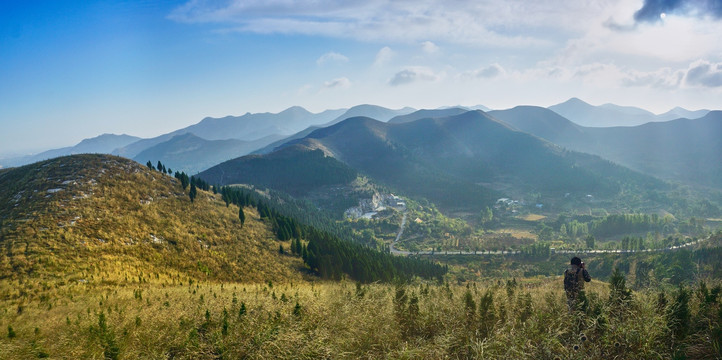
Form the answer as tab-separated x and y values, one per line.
71	70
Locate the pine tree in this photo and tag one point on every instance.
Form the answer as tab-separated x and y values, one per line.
618	292
193	192
241	215
280	249
149	165
679	315
159	166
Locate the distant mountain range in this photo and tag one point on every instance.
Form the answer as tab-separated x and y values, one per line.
248	127
463	161
103	144
371	111
686	150
192	154
256	131
608	115
679	149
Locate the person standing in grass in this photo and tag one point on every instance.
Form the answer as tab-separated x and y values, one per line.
574	278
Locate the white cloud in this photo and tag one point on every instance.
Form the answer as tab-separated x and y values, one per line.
404	21
341	83
383	56
429	47
489	72
413	74
662	78
704	73
331	57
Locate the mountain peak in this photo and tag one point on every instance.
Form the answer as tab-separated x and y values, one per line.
295	111
576	101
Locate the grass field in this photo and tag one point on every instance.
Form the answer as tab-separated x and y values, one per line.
494	320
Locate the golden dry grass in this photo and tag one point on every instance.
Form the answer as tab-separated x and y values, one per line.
334	320
532	217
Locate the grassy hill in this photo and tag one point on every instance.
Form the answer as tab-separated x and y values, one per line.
105	219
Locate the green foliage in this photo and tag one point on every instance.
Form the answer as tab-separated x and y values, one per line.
328	255
486	216
487	314
296	172
625	224
679	314
619	294
193	192
11	332
183	178
111	350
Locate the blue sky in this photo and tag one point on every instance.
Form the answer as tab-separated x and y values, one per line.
76	69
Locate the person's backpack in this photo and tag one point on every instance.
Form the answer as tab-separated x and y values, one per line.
571	279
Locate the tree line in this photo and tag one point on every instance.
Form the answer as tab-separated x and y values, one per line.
328	255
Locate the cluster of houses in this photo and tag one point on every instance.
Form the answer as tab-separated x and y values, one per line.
367	208
512	206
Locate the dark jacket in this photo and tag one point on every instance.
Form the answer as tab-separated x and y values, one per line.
582	277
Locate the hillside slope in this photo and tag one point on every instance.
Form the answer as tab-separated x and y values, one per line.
101	218
462	161
683	149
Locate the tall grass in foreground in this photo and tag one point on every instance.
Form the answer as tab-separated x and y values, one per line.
496	320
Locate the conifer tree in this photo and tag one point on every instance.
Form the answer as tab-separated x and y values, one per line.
241	215
193	192
160	166
149	165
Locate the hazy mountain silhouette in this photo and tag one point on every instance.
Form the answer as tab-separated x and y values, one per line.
681	113
423	114
191	154
372	111
248	127
608	115
543	123
102	144
683	149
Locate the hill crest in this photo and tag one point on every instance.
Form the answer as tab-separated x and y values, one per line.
106	218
